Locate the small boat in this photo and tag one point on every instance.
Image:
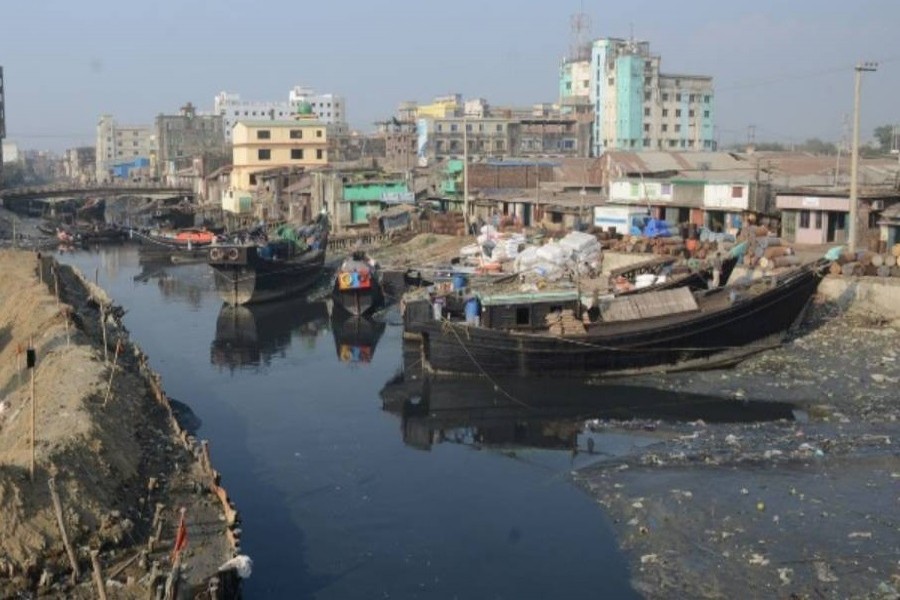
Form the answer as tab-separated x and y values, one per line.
289	262
357	285
667	330
182	239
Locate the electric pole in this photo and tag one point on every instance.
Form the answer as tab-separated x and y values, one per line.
854	153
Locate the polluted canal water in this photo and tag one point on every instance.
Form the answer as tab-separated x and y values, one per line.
356	479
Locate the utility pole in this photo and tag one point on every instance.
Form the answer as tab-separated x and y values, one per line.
854	153
466	173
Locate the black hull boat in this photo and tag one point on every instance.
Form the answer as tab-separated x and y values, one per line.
260	272
357	286
688	331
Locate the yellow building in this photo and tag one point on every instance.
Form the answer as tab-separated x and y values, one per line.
264	145
442	107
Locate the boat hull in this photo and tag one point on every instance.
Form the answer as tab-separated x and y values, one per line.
249	279
656	344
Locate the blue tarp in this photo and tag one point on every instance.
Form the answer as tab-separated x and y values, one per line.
657	228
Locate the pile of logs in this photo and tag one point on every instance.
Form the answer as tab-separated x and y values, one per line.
450	223
564	323
767	251
867	263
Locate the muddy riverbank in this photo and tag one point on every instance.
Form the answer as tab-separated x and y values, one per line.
121	463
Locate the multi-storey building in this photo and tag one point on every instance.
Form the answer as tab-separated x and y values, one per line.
119	144
80	164
328	108
2	121
259	146
636	107
183	136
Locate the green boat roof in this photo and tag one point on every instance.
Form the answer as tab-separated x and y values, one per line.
527	297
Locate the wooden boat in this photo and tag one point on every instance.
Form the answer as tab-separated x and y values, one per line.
260	271
357	285
657	331
168	241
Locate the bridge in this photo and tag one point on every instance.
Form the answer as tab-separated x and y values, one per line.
80	190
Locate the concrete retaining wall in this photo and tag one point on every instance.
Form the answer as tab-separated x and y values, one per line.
873	296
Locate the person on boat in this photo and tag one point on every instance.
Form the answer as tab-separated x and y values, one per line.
716	270
473	316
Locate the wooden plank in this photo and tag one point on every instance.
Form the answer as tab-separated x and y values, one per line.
649	305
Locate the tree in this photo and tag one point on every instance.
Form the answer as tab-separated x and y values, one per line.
885	136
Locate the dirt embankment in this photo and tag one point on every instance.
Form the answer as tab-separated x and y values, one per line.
121	464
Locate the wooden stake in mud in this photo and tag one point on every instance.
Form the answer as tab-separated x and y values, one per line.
98	575
57	508
31	363
66	315
112	371
56	286
103	329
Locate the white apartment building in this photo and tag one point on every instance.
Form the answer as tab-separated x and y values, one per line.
118	144
328	108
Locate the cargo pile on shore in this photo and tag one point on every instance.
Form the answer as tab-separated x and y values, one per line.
867	263
121	466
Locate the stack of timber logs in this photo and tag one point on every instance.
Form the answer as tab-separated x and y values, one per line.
564	323
866	263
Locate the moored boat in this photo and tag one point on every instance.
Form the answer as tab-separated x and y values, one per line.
659	331
357	285
258	271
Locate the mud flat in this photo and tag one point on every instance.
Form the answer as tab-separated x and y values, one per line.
121	463
801	508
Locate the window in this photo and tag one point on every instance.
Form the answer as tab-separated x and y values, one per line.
498	146
646	95
705	114
523	315
665	97
677	128
646	142
453	127
665	127
264	154
296	153
737	191
320	154
468	127
610	81
691	113
677	112
263	134
706	99
440	127
648	80
691	98
678	97
804	219
646	112
672	143
665	112
253	179
646	126
818	219
296	134
499	128
318	133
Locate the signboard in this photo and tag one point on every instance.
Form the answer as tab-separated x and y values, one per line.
810	202
398	197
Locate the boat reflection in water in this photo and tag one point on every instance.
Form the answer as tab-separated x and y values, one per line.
251	335
355	338
548	413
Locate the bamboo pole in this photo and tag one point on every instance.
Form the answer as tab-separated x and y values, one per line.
33	413
103	329
112	373
57	508
98	575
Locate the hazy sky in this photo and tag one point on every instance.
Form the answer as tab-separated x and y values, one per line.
784	66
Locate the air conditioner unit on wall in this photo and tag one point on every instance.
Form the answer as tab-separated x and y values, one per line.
877	204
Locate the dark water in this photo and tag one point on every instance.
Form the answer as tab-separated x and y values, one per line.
339	496
358	478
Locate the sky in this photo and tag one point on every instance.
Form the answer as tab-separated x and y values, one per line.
784	67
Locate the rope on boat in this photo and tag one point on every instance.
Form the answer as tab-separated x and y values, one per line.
493	381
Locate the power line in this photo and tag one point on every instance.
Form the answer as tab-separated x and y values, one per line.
791	77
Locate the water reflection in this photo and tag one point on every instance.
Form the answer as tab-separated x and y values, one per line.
249	336
355	338
541	413
252	335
